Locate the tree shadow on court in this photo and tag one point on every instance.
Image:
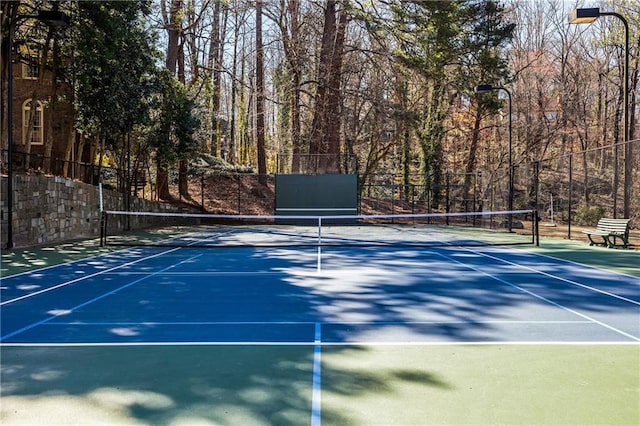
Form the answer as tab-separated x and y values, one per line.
181	384
19	260
188	365
100	378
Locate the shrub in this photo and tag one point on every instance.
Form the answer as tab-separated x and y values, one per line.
589	215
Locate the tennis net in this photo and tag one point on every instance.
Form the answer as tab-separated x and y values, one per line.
422	230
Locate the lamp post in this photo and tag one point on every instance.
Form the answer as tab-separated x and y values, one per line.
587	16
52	18
484	88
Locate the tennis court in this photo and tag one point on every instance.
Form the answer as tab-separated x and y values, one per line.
336	330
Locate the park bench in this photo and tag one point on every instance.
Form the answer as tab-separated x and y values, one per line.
610	230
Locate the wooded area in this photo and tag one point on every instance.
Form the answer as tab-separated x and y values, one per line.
380	88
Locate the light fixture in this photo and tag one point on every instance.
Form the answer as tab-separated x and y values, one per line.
587	16
584	16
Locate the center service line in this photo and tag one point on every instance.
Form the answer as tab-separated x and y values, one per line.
316	397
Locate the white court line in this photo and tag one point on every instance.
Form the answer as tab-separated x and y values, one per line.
211	273
537	296
275	323
315	344
106	254
547	274
71	262
106	271
582	265
66	283
102	296
316	394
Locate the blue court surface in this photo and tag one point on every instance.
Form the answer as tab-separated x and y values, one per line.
327	295
320	335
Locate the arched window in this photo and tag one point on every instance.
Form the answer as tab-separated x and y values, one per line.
37	137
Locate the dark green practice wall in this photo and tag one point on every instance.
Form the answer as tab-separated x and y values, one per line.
317	195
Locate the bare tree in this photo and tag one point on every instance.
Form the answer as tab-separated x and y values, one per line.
260	129
324	139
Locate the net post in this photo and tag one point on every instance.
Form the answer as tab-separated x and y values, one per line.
100	202
103	228
319	265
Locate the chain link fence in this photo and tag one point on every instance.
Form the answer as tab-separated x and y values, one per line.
570	191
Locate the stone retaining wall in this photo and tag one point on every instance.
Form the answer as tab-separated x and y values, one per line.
50	209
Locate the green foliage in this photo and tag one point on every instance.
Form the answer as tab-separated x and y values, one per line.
589	215
448	47
174	123
114	61
487	60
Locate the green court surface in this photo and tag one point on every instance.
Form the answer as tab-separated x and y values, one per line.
487	385
361	385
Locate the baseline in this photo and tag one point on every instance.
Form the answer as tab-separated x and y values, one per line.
539	297
559	278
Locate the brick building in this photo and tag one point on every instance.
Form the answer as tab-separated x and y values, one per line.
52	123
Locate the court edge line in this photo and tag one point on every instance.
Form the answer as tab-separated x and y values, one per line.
102	296
597	268
66	283
272	323
537	296
105	254
354	343
559	278
71	262
316	392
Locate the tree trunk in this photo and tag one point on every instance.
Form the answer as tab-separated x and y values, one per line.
234	95
317	143
291	43
79	171
183	179
173	36
332	164
174	30
473	151
216	52
325	131
162	182
68	169
260	130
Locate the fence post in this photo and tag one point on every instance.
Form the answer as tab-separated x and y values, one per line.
569	216
393	200
536	189
238	191
202	194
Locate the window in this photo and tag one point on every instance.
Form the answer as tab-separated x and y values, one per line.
30	71
37	137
